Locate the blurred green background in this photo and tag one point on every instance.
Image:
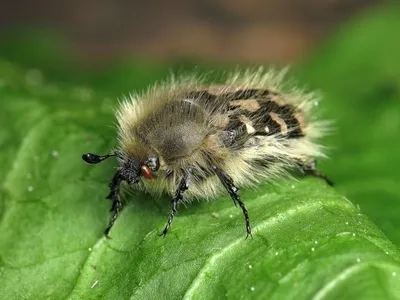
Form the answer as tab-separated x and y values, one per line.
348	50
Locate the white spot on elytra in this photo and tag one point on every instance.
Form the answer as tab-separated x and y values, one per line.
354	234
292	186
347	223
394	273
250	266
358	260
250	129
230	216
276	253
316	242
313	249
30	188
95	283
387	252
90	249
252	288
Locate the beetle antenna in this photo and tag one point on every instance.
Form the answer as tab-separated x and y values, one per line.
93	159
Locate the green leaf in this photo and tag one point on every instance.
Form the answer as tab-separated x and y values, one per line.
359	74
309	240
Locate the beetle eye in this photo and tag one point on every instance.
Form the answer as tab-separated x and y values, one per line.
146	172
153	163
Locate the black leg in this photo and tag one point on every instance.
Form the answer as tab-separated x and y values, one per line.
115	197
183	186
310	169
234	193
